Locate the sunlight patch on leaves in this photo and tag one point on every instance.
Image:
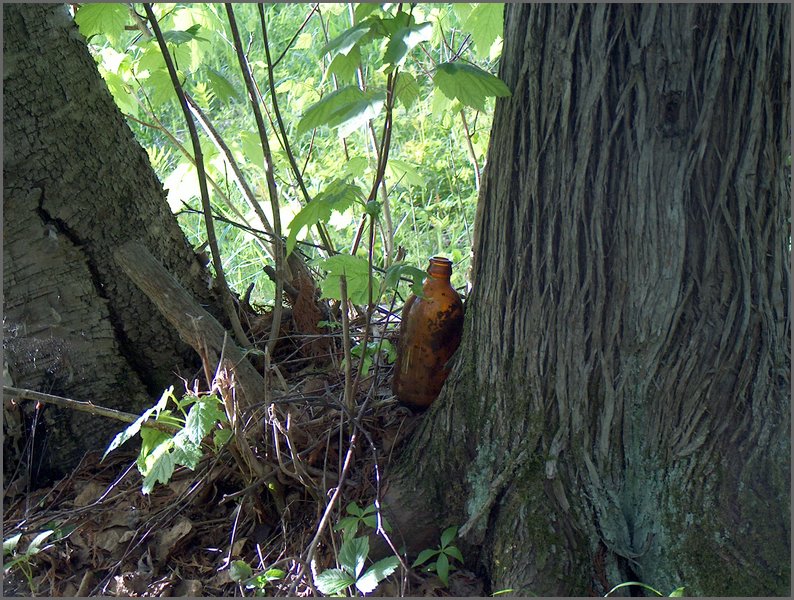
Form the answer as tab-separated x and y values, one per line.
485	23
353	553
106	18
160	468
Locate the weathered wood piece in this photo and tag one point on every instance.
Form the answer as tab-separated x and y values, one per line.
195	325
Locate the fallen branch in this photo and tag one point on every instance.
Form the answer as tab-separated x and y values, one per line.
183	312
79	405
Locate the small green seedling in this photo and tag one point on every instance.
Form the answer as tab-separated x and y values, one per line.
442	555
242	573
193	418
22	560
359	516
676	593
387	350
352	556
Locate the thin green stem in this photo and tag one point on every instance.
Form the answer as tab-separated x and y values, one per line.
348	397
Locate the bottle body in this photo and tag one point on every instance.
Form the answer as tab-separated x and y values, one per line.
430	333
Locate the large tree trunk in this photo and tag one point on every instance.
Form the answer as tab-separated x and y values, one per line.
76	185
619	408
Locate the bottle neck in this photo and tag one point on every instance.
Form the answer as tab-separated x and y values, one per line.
440	268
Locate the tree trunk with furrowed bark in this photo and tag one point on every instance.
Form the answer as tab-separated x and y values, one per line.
76	184
619	408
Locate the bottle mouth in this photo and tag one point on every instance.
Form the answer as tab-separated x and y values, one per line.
440	266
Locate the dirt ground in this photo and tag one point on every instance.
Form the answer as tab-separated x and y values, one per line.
187	537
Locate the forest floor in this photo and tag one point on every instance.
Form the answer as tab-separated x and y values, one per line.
215	531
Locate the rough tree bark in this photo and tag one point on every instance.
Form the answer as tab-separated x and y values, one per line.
619	408
76	185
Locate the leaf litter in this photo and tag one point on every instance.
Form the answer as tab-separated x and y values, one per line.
184	537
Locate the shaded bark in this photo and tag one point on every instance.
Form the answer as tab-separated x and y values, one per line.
76	185
619	408
194	324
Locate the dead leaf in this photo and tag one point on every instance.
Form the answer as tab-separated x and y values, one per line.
110	538
189	588
237	548
89	494
168	540
132	583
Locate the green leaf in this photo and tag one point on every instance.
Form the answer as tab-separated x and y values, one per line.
222	87
344	65
448	535
121	92
399	270
406	89
630	583
185	452
469	84
160	87
36	542
240	570
355	167
424	556
365	9
406	173
348	525
485	23
389	26
169	418
135	427
151	439
10	544
454	552
106	18
353	553
354	509
442	568
404	40
177	37
347	108
161	468
355	269
333	581
202	418
274	574
221	436
252	148
677	593
377	573
261	580
462	10
366	360
348	39
338	196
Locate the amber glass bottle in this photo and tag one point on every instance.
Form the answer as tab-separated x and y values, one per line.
430	333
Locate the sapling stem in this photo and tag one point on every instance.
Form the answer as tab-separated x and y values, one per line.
226	293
